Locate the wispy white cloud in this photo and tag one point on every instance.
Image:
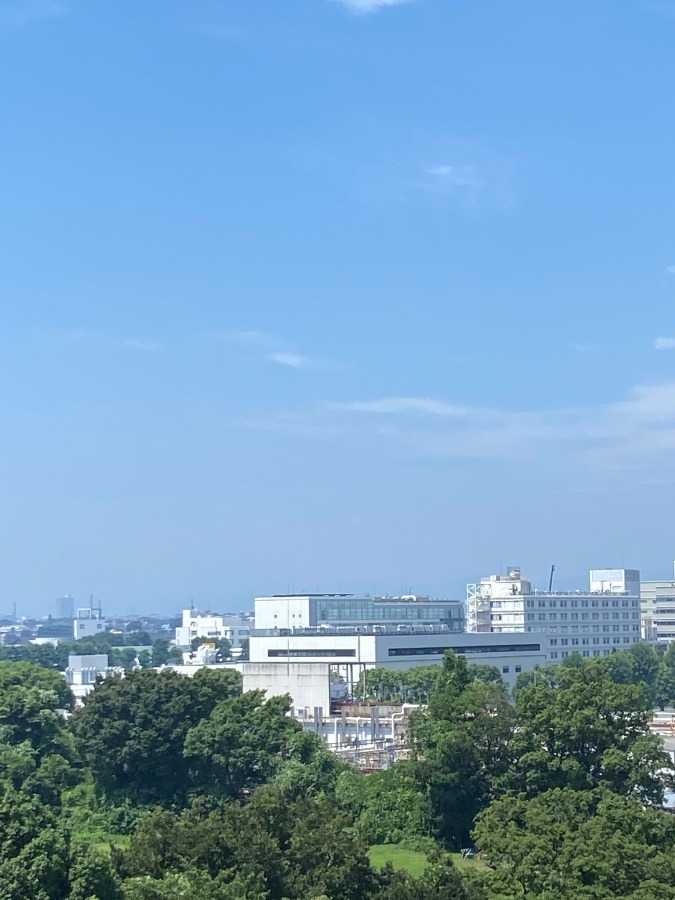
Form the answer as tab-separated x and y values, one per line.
402	405
248	336
293	360
457	176
664	343
272	348
19	13
142	346
369	6
670	269
635	431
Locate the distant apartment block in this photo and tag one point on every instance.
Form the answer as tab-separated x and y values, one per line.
592	623
65	607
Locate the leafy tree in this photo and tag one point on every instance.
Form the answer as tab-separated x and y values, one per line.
132	731
324	859
664	688
92	876
389	806
24	674
581	732
461	742
34	849
574	845
160	652
240	744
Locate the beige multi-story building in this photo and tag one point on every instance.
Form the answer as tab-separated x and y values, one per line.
592	623
658	610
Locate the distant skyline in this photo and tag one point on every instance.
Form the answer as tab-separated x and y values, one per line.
333	294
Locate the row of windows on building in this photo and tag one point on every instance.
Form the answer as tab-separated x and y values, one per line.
584	604
565	653
382	612
575	642
585	629
574	617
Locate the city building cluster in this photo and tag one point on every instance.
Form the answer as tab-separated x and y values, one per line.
318	647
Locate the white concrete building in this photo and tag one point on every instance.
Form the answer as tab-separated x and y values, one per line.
291	611
209	627
615	581
592	623
658	610
88	623
83	671
318	665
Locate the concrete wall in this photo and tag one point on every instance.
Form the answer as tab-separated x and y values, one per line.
283	612
307	683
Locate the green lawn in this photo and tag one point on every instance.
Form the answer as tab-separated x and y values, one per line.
414	861
411	860
468	865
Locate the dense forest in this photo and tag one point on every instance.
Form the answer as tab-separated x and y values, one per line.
162	786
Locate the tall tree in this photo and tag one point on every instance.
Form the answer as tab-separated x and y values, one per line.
461	743
582	732
132	731
577	845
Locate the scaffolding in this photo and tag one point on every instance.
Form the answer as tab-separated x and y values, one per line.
478	609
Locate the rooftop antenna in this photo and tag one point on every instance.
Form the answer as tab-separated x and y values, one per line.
550	581
14	610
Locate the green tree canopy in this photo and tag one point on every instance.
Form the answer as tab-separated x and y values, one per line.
132	730
579	729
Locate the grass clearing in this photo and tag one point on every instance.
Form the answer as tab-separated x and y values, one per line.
415	862
469	865
412	861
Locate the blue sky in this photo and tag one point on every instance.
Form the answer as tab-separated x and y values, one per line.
317	294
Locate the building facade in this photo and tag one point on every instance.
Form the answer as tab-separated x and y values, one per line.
592	623
88	623
65	607
658	610
209	627
316	665
291	611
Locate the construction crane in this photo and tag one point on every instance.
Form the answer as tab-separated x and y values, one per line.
550	581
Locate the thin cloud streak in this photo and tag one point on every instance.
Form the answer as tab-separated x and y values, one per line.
664	343
363	7
293	360
21	13
633	432
142	346
402	405
272	348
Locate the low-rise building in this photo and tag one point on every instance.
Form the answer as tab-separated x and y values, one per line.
318	665
88	623
208	627
84	671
